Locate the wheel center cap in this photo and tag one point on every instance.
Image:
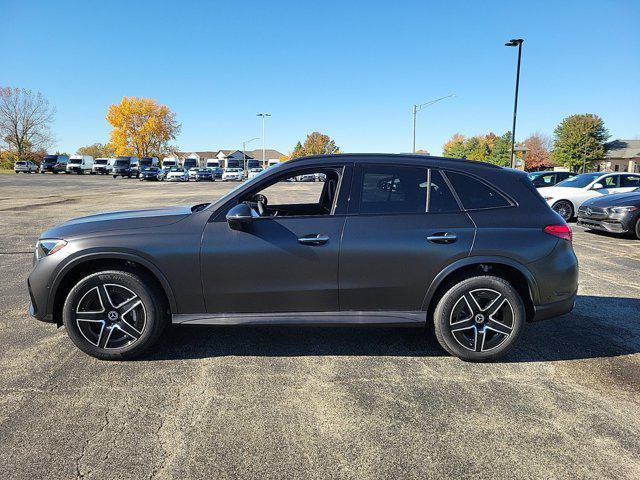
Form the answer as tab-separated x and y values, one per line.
479	318
112	315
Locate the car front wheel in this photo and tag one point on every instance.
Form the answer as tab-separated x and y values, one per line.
637	229
564	209
114	315
479	318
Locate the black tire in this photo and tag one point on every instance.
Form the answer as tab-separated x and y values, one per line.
493	317
637	229
564	208
119	332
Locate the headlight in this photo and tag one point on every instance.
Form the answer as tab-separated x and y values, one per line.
49	246
624	209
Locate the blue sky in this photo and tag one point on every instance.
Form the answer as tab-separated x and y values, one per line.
348	69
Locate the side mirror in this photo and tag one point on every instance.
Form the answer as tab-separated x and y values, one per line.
239	215
597	186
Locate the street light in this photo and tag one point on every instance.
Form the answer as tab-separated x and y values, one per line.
264	116
417	108
515	42
244	155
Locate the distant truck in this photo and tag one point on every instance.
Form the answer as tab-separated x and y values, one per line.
168	162
126	167
103	165
80	164
54	163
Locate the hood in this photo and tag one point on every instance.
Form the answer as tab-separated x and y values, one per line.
616	200
126	219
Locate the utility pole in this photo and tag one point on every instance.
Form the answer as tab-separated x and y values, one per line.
264	116
417	108
515	42
244	155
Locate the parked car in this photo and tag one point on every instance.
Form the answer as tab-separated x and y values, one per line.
25	166
151	173
466	247
162	175
54	163
309	177
80	164
103	166
233	174
126	167
616	213
253	172
177	174
192	173
549	178
217	172
203	174
567	196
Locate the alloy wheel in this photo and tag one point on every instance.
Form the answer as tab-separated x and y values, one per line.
481	320
110	316
563	209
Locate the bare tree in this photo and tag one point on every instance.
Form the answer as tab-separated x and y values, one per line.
25	120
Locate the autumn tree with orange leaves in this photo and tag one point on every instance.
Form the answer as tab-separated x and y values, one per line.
142	127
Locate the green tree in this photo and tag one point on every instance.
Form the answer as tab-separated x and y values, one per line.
478	149
97	150
501	150
316	143
579	139
455	147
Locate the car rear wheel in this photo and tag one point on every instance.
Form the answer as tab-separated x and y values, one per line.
114	315
479	319
637	229
564	209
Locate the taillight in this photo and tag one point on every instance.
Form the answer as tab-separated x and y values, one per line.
561	230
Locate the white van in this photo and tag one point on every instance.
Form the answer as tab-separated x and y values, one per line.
80	164
168	162
103	165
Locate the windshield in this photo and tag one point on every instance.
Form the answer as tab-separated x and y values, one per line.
176	169
145	162
580	181
100	161
75	160
122	163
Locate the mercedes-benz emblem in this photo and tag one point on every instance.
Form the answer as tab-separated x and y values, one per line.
589	211
112	315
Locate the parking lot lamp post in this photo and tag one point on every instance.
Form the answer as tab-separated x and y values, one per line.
417	108
264	116
244	155
515	42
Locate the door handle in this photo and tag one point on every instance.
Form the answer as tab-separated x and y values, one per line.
442	237
316	239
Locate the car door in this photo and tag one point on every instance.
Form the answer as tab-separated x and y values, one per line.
404	225
282	263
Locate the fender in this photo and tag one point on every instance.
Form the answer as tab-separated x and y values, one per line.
475	260
113	254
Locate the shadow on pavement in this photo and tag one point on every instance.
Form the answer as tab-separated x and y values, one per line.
598	327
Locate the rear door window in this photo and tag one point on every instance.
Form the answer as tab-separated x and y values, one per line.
632	181
441	199
475	194
393	189
612	181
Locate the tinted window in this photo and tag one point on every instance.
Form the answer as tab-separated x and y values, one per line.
612	181
630	181
393	189
441	200
544	180
474	194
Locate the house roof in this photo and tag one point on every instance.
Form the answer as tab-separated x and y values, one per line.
269	153
257	153
622	149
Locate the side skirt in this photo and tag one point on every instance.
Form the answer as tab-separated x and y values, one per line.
302	318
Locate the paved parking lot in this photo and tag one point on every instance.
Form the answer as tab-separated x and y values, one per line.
312	402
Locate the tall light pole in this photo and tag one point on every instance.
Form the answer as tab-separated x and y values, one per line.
264	116
417	108
244	155
515	42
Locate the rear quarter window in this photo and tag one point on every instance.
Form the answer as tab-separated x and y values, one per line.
475	194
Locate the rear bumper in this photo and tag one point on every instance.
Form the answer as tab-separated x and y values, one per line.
554	309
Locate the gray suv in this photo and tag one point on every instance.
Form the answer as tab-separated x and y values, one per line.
467	248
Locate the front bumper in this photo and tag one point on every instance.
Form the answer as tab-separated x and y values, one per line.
605	225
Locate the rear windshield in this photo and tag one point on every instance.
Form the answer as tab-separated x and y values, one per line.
21	163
